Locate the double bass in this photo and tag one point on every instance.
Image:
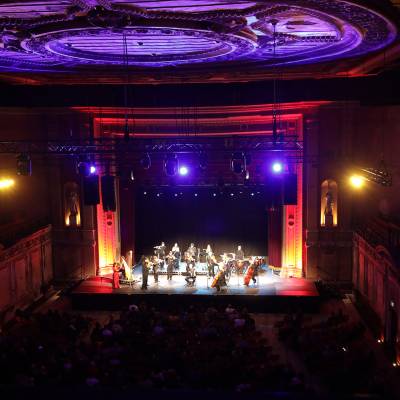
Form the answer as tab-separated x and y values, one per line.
249	274
219	278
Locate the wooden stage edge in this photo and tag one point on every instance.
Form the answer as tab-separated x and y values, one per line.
270	294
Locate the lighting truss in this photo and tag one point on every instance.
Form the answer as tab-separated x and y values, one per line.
380	176
187	144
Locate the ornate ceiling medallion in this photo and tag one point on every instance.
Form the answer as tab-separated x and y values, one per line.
187	38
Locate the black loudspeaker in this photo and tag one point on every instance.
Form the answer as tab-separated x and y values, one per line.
108	193
274	191
290	189
91	194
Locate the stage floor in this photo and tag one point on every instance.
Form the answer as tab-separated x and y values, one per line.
267	285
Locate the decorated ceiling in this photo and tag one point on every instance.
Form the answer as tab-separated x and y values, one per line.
195	40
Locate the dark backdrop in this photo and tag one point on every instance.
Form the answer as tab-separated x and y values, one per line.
224	221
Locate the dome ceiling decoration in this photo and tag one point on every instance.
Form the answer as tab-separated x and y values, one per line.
196	40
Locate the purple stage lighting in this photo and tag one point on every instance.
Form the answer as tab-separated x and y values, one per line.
183	170
92	169
277	167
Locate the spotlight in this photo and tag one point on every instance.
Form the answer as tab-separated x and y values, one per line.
171	165
145	161
247	177
24	165
183	170
238	163
6	183
357	181
277	167
83	168
92	169
195	194
214	194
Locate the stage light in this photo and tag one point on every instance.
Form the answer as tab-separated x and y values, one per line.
277	167
6	183
357	181
247	177
83	168
176	194
24	165
251	194
171	165
238	163
183	170
231	194
195	194
158	194
92	169
214	194
145	193
145	161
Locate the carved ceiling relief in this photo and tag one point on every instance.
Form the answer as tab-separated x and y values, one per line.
185	35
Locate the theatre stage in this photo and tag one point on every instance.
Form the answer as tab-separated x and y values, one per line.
270	293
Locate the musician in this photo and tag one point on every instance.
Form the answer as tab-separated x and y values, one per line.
209	250
211	263
145	271
221	281
177	254
162	250
256	264
116	268
160	253
192	250
191	277
170	258
190	261
239	253
155	264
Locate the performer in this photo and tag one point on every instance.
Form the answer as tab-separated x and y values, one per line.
211	264
192	250
170	258
177	254
191	277
155	263
257	264
145	271
219	280
209	250
252	272
159	251
239	253
116	269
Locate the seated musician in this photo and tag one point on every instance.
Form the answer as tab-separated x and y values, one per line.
239	253
190	260
191	277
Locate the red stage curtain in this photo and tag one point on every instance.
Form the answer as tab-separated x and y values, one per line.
275	236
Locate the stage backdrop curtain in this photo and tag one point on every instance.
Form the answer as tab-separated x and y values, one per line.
275	236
